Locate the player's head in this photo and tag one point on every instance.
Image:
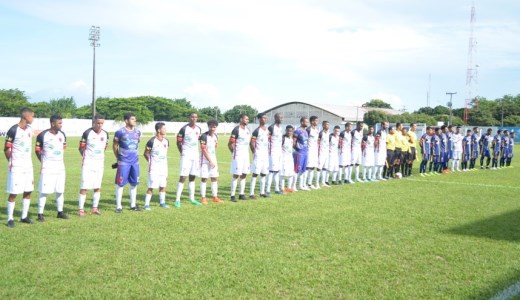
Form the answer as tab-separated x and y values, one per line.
289	129
428	130
506	132
325	125
475	129
413	126
459	129
385	125
160	128
450	128
314	121
97	123
212	126
437	130
359	125
278	118
27	114
443	128
468	132
337	129
512	134
489	130
348	126
304	122
370	130
499	132
262	118
130	120
391	130
404	131
193	118
56	122
398	126
244	119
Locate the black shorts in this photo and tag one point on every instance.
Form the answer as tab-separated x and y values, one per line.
390	157
398	154
413	153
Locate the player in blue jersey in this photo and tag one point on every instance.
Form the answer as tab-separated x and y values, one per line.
301	137
444	148
485	143
497	149
437	151
425	143
125	147
466	150
511	150
475	138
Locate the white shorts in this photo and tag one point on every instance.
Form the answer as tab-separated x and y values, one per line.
333	163
275	162
52	183
156	181
368	159
288	166
207	172
323	161
312	159
240	165
457	154
19	182
345	159
91	178
260	166
189	166
357	156
380	158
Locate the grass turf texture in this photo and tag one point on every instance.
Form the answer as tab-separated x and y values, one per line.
448	236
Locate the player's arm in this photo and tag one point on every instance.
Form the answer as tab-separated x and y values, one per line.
252	143
148	150
233	139
8	147
180	138
38	147
83	143
204	150
115	146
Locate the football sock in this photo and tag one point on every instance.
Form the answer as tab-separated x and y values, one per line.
214	188
95	198
290	182
234	183
370	173
25	207
41	203
252	186
318	175
10	210
242	186
203	189
349	173
133	195
325	176
276	181
147	199
262	184
81	201
357	172
162	197
270	182
180	187
365	173
310	176
119	196
59	201
191	189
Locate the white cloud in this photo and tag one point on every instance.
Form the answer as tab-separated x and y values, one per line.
252	96
203	94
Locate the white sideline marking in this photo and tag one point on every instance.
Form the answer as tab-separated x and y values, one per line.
508	293
464	183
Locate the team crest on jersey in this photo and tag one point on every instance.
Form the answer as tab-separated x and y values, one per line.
102	139
59	139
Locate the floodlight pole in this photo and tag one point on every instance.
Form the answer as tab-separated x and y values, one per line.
94	38
450	104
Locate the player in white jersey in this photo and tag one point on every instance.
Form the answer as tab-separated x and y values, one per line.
20	178
456	139
260	148
323	155
156	154
357	139
209	164
238	144
345	154
50	145
92	146
276	134
313	151
188	145
368	154
380	151
288	160
334	142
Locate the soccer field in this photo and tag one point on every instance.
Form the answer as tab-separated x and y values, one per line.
451	236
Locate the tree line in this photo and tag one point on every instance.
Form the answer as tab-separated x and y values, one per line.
146	108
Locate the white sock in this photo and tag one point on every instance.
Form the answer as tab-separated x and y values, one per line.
25	207
381	169
310	176
162	197
180	187
252	187
324	176
282	183
357	172
242	186
214	188
290	181
95	199
234	184
318	174
277	181
133	195
191	189
295	178
370	172
119	196
270	182
41	203
59	201
262	184
10	210
203	189
365	173
334	176
81	201
147	199
342	170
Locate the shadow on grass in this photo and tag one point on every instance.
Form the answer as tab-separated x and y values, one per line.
504	227
506	288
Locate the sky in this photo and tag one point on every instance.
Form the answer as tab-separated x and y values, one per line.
261	53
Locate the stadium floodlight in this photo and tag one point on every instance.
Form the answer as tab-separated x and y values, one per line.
94	38
450	105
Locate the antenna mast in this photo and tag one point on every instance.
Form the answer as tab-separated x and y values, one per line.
472	71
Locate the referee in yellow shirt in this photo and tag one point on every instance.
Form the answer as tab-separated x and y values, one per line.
412	136
390	152
405	152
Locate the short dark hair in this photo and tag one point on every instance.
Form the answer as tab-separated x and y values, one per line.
468	131
25	110
428	127
443	127
499	131
312	118
337	127
99	117
212	123
289	127
458	127
348	124
397	125
303	119
475	128
325	122
193	113
159	125
359	123
128	115
260	115
411	124
55	117
242	115
450	126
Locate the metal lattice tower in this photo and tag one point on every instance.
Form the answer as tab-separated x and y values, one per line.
472	70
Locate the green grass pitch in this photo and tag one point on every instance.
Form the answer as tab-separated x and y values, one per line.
452	236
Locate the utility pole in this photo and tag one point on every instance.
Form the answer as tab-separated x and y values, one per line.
471	71
94	38
450	104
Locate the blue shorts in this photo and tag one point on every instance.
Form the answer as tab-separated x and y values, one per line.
485	153
437	159
447	156
466	156
300	162
127	174
426	157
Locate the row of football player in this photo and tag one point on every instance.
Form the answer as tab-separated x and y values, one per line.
440	145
